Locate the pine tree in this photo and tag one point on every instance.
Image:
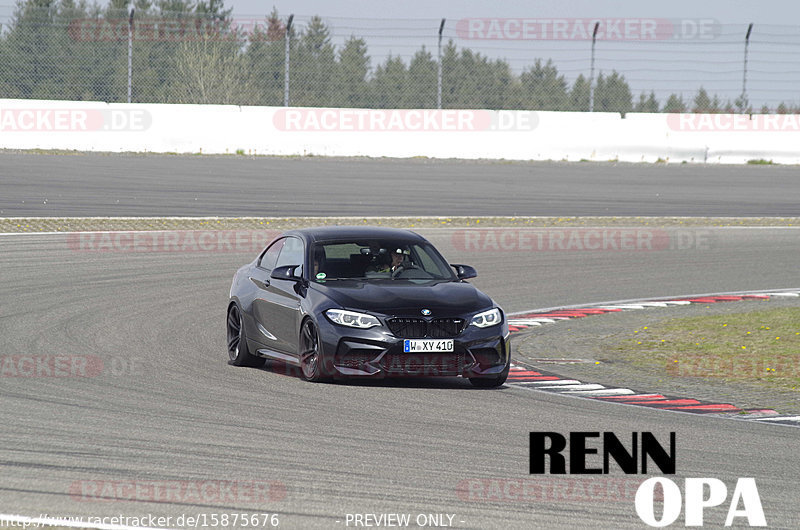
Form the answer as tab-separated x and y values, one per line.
674	103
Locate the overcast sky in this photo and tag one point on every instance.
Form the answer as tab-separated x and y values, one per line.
764	11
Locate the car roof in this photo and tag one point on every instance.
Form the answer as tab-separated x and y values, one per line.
324	233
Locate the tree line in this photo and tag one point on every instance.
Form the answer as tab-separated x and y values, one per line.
186	51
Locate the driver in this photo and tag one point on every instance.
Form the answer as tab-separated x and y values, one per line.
398	260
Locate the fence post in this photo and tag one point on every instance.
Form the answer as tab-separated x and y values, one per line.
744	74
130	55
287	38
439	73
591	70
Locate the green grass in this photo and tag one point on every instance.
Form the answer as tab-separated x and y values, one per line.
760	162
761	346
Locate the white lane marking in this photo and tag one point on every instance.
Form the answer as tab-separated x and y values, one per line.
524	322
654	304
622	306
22	520
782	294
678	302
602	392
585	386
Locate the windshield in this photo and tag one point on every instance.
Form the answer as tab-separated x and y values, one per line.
377	259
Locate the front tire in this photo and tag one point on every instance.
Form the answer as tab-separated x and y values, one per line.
238	352
311	363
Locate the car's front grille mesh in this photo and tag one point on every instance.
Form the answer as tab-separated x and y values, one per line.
408	328
355	358
445	328
431	364
420	328
486	357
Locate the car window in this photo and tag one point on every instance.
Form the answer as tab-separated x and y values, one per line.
372	259
270	256
292	253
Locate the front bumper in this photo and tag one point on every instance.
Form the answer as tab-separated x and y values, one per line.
378	353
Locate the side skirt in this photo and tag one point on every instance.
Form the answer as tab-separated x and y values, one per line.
285	357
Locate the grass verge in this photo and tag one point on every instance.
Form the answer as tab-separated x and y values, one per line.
760	346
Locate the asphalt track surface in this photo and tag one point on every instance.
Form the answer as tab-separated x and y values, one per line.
167	408
145	185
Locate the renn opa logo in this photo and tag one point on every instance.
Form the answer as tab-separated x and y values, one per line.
586	458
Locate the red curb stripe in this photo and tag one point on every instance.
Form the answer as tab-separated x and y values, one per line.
755	297
540	378
713	407
523	372
635	397
701	300
728	298
674	402
544	315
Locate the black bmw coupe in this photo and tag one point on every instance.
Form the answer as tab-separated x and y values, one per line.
365	302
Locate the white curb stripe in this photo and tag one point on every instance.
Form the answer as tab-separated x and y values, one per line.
602	392
585	386
780	418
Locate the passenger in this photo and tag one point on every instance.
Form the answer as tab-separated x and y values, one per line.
319	259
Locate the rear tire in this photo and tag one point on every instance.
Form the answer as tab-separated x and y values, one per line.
238	352
311	362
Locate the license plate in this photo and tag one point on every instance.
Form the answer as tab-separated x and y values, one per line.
427	345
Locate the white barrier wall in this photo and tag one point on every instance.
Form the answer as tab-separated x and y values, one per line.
472	134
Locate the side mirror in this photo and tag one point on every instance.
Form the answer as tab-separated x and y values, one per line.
464	272
287	272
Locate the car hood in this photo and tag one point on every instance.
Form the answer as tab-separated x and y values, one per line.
404	298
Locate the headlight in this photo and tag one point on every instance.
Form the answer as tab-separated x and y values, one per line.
352	319
487	318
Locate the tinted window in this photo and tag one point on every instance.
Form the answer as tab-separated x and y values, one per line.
271	255
373	259
292	253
